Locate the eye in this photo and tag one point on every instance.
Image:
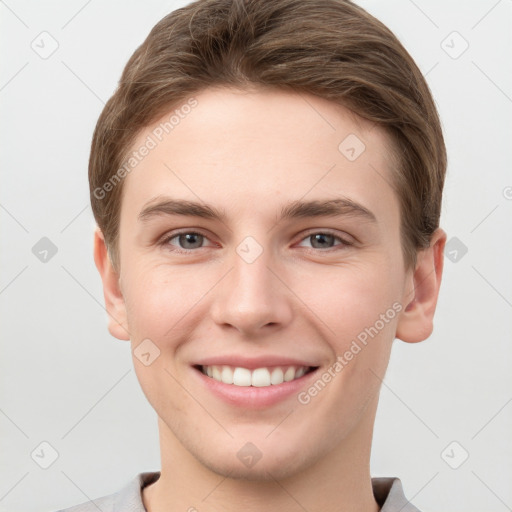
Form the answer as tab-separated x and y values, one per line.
185	241
325	240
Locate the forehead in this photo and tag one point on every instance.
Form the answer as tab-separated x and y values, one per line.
246	149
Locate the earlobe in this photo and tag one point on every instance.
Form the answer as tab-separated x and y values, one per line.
416	322
114	300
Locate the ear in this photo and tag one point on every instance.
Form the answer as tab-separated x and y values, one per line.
422	290
114	300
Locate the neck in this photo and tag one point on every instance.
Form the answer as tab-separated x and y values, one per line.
338	482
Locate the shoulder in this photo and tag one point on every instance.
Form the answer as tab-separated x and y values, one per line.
127	499
389	494
105	504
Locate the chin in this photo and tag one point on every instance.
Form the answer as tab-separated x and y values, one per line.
273	464
261	472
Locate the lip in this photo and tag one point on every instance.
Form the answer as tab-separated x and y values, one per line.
254	397
253	362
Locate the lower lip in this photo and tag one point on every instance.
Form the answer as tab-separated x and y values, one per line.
251	396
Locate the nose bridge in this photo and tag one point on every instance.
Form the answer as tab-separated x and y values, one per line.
252	278
252	296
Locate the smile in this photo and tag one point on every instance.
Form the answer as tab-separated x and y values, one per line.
258	377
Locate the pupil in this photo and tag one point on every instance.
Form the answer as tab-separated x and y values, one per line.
322	238
189	238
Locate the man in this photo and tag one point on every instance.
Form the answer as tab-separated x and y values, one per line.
267	183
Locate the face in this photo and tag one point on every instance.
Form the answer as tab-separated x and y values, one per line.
260	235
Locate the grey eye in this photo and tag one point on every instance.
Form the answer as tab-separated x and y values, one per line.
322	240
190	240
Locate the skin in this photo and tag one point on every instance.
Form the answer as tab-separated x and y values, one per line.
249	153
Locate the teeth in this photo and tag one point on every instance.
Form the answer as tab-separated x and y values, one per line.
300	372
226	375
276	377
289	374
216	373
241	377
260	377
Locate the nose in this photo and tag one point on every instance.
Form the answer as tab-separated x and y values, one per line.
253	298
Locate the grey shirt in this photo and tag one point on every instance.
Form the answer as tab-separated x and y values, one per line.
388	493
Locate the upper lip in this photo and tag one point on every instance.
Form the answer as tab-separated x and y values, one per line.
252	363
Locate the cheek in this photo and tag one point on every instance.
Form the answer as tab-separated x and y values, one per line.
158	298
350	299
167	305
360	310
364	317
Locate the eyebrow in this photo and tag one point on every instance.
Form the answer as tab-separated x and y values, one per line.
296	209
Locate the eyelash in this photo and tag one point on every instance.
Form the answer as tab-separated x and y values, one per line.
166	241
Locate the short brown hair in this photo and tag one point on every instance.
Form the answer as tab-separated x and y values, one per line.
333	49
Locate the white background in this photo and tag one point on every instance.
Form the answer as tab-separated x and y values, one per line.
65	381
